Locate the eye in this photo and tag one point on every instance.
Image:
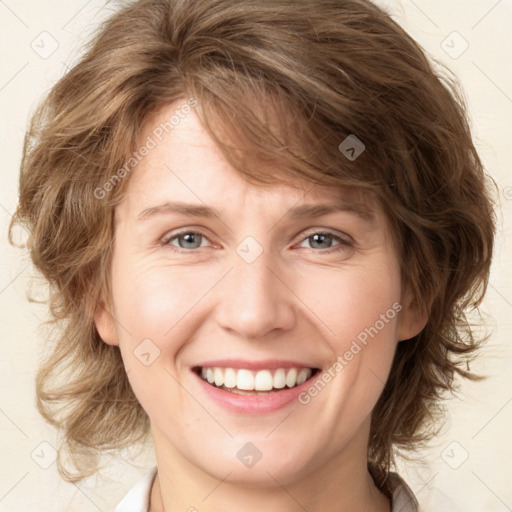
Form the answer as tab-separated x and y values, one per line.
186	240
324	240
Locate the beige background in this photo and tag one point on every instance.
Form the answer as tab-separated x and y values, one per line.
471	461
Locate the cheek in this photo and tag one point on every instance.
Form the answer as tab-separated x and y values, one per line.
158	310
153	309
348	301
357	309
156	297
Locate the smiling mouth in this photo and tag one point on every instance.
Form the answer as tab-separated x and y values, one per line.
249	382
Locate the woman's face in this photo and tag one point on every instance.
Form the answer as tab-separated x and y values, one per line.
261	285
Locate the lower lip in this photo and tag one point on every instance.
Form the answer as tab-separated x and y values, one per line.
254	404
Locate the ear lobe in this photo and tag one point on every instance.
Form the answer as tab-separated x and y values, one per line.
412	319
105	324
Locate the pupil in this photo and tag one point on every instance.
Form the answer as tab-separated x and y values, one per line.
188	237
322	238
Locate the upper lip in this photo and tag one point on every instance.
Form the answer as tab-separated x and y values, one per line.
264	364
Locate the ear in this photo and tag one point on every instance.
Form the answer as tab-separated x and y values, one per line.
105	324
412	318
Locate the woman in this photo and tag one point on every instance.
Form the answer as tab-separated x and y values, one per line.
263	223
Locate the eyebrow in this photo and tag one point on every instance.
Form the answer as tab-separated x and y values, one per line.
298	212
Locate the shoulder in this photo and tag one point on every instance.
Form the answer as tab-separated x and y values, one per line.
403	498
137	499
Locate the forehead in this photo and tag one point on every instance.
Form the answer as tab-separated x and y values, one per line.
184	165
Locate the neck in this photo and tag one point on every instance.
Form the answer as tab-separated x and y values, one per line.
340	484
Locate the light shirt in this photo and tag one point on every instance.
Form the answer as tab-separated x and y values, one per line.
137	499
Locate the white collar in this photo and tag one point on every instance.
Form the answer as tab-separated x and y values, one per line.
137	499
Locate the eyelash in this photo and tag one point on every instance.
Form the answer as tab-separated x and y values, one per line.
343	243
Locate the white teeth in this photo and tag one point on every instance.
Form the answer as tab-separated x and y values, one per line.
219	376
230	378
291	378
262	380
245	380
302	376
280	378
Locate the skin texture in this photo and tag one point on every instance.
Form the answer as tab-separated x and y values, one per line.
298	300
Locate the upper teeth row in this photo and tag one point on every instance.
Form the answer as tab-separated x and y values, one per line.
262	380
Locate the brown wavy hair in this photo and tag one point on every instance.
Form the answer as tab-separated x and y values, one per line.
328	69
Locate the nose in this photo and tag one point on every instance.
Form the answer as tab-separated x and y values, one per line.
255	299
